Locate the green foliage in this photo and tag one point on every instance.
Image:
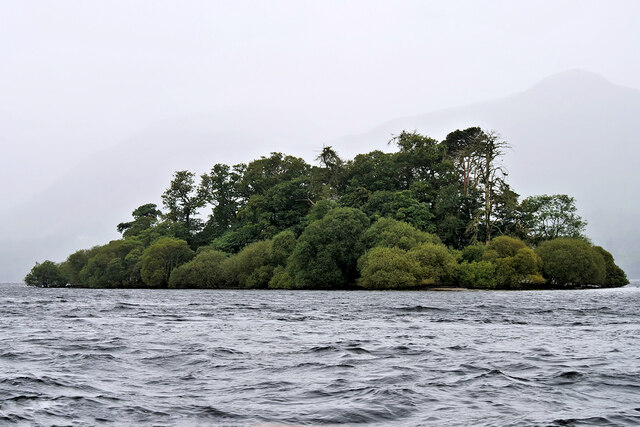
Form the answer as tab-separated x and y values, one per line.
614	276
473	253
182	200
425	193
389	232
327	251
437	264
549	217
46	275
251	267
281	279
203	271
503	247
517	265
374	171
266	172
402	206
572	262
74	263
320	209
477	275
114	265
388	268
144	217
282	246
159	260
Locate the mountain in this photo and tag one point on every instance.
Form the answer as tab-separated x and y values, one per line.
571	133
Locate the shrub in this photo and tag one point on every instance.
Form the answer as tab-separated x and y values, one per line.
389	233
437	265
46	275
477	274
327	251
572	262
516	264
159	260
388	268
203	271
614	275
251	267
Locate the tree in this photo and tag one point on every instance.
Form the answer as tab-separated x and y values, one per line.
251	267
327	252
220	188
491	174
113	265
328	177
159	260
389	233
402	206
549	217
144	217
572	262
203	271
463	147
614	275
516	264
437	265
387	268
182	200
46	275
265	172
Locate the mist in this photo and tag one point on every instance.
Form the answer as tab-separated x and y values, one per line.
128	92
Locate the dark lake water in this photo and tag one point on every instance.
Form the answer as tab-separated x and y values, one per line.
266	358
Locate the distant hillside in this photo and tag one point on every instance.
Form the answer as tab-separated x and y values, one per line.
571	133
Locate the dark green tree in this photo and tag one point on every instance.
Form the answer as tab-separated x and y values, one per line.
46	275
327	252
572	262
549	217
159	260
144	217
182	200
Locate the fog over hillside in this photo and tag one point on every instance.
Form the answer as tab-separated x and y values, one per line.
565	131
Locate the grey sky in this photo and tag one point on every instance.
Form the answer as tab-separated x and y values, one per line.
77	76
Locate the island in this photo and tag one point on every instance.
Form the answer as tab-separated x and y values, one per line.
432	214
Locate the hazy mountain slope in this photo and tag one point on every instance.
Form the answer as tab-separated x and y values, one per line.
572	133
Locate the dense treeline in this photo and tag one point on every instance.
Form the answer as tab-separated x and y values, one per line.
429	214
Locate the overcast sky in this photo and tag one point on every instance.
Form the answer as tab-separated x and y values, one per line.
77	76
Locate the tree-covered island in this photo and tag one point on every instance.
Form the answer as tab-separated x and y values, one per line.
430	214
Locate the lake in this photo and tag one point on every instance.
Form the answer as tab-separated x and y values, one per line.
266	358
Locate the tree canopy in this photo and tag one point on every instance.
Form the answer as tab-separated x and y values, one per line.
429	213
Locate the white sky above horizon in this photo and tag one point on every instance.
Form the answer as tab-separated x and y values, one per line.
77	77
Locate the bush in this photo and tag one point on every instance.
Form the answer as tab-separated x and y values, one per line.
614	275
281	279
46	275
388	268
572	262
516	264
327	252
203	271
389	233
159	260
251	267
113	265
437	265
477	274
473	253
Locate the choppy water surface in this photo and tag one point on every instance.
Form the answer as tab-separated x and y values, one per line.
87	357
